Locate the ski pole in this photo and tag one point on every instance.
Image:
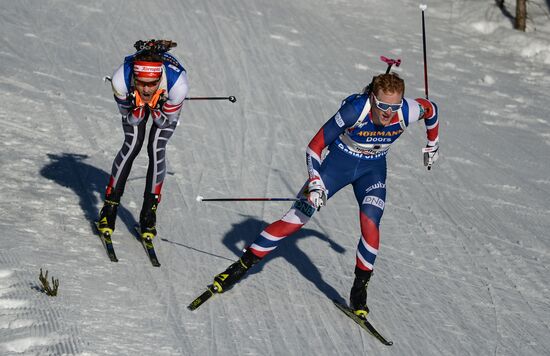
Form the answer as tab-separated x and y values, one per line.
390	62
427	150
423	7
231	98
200	198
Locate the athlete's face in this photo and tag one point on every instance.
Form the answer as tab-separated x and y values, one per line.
147	87
384	106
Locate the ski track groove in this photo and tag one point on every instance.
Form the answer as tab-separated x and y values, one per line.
515	310
237	343
496	316
22	129
174	315
271	316
486	280
163	291
43	328
213	344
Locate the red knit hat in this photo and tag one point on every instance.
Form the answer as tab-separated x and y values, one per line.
144	69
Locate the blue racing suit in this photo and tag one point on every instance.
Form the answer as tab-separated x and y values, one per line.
357	150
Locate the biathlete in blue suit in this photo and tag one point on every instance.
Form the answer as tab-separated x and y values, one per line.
358	138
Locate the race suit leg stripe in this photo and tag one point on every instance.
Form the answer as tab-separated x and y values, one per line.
133	141
156	149
370	192
336	172
268	240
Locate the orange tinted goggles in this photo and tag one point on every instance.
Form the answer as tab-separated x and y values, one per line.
141	83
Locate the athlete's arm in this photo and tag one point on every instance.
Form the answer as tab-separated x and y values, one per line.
120	92
428	113
170	111
344	118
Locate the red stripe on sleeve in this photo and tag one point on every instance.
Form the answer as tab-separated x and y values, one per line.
169	109
433	133
317	143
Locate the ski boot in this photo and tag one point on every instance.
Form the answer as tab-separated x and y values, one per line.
358	294
148	216
234	272
107	215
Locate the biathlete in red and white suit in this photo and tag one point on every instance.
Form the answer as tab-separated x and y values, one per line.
150	86
358	138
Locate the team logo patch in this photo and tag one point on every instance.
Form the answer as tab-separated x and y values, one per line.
176	69
339	119
147	69
377	185
373	200
304	207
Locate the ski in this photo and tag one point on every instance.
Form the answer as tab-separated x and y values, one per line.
107	243
210	291
364	323
147	244
150	249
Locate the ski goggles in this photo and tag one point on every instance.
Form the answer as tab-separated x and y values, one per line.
385	106
142	83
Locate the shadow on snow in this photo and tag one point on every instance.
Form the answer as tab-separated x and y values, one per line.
86	181
502	6
246	230
243	233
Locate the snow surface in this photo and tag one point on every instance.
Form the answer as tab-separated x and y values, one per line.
463	265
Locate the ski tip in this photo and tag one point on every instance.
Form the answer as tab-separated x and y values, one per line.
197	303
199	198
423	7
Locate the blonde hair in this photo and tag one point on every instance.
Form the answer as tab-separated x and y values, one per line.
388	83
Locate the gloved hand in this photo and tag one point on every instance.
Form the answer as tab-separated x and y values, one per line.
317	193
138	108
155	105
431	154
160	119
158	100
